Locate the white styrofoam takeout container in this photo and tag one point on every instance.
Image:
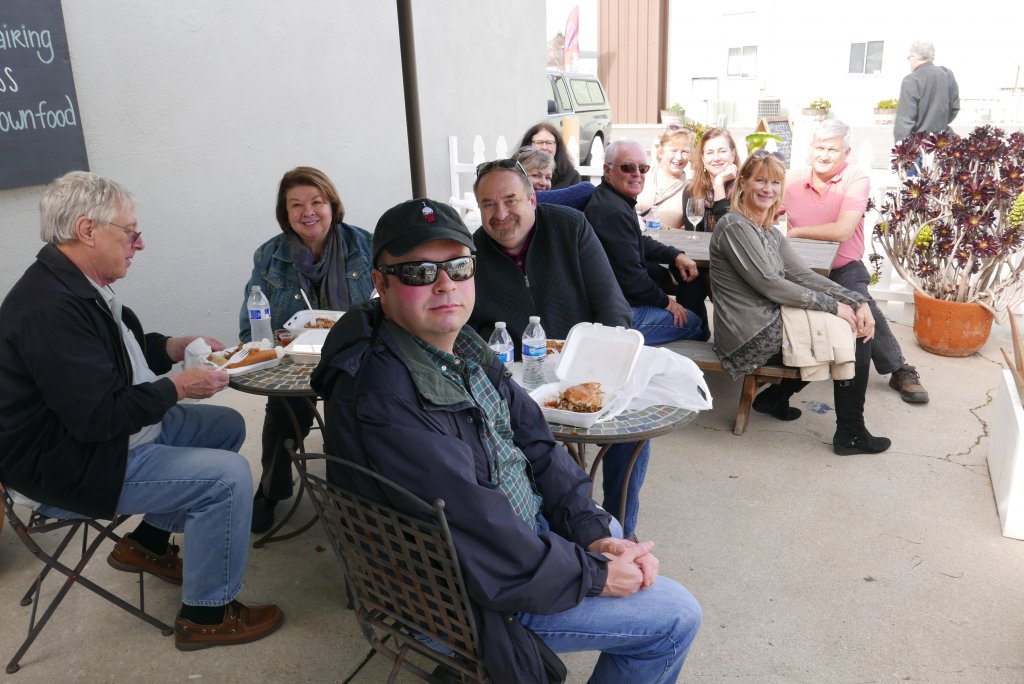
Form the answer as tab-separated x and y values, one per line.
297	323
592	353
306	346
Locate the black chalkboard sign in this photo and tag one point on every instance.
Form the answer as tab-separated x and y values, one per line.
779	125
40	123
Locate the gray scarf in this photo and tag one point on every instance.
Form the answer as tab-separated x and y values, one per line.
324	281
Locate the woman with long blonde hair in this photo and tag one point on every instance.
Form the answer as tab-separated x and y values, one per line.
755	272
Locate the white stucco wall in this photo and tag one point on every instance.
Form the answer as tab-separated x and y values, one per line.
199	107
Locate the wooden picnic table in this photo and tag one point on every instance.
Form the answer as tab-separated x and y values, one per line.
817	254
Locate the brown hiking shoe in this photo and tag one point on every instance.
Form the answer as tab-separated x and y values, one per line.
907	382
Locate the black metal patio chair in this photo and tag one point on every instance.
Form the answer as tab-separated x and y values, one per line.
402	572
37	524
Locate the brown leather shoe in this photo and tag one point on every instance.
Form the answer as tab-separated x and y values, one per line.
241	625
130	556
907	382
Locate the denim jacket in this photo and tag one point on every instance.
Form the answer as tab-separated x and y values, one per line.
274	272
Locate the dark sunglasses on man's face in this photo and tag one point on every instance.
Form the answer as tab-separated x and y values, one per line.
416	273
631	168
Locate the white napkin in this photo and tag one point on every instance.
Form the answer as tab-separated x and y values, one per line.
196	352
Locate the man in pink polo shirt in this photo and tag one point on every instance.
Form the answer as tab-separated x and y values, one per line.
827	202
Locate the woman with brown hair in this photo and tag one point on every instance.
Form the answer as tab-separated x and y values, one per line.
543	136
754	273
714	170
330	261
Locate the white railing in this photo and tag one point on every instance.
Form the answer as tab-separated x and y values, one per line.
459	171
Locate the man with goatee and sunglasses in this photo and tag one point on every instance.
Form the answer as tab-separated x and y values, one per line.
413	393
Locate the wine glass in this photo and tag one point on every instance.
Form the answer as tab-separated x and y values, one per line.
694	214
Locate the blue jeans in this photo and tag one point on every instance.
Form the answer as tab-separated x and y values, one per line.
642	638
885	348
613	469
657	326
192	480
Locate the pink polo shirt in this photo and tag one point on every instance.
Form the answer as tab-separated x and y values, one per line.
847	191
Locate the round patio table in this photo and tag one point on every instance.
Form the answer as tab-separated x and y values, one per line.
288	380
638	426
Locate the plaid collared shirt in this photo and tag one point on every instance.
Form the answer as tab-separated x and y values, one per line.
510	470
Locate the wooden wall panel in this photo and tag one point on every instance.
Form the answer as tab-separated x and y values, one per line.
632	57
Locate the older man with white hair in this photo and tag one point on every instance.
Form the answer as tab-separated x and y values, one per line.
929	95
88	426
612	213
827	201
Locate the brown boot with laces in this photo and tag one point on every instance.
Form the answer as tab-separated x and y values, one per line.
907	382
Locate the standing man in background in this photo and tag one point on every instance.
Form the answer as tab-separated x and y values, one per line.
929	95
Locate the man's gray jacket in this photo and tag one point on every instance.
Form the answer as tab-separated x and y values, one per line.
929	101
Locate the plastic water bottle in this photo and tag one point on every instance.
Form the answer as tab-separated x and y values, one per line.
653	222
535	350
259	315
501	343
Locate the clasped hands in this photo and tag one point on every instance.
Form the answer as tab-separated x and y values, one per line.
631	565
861	320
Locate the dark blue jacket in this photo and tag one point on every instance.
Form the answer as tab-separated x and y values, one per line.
67	402
388	409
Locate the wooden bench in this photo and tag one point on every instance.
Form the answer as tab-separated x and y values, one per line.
703	354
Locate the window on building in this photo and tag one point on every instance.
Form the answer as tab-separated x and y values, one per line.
742	61
866	58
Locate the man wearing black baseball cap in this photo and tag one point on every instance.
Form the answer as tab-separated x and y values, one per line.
416	395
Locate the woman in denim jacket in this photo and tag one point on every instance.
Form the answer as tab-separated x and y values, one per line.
328	259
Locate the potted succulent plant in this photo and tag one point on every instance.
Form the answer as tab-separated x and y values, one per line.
672	114
818	108
953	230
885	111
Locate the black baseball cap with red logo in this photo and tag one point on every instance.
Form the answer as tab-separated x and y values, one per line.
406	226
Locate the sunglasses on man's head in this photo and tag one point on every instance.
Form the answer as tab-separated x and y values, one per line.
416	273
677	128
631	168
510	164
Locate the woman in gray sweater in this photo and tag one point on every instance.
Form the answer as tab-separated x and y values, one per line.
754	272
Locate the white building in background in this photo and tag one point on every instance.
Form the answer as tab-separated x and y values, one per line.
727	59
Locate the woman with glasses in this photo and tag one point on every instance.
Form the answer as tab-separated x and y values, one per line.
755	274
667	180
714	172
543	136
540	166
316	253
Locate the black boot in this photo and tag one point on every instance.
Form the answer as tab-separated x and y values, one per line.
864	443
775	400
262	513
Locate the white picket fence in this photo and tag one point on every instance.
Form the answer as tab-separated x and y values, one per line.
460	172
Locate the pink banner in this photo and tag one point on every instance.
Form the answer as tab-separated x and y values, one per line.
572	40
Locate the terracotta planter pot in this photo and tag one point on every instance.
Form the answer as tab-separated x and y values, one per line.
950	328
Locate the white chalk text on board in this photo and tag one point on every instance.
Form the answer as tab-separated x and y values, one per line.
40	124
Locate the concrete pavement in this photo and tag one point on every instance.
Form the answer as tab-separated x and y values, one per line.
809	567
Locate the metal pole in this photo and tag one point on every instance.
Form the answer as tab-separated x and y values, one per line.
412	98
